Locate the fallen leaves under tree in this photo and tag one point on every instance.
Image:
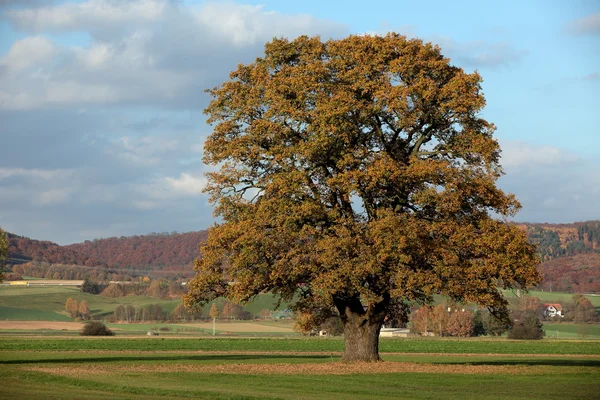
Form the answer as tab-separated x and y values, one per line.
354	174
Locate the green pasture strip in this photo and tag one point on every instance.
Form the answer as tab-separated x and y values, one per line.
194	358
259	303
553	297
162	358
277	323
147	326
179	329
23	384
26	314
53	299
567	330
407	345
34	291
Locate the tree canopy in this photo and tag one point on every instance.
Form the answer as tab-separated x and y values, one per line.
357	175
4	252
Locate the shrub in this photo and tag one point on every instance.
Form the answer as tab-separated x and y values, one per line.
460	323
333	326
530	328
493	326
95	328
90	287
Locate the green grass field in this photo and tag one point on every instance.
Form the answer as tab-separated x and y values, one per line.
553	297
48	303
565	330
301	344
157	368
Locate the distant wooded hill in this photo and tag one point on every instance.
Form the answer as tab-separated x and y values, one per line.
147	252
570	253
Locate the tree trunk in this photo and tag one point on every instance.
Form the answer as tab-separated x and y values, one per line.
361	340
361	328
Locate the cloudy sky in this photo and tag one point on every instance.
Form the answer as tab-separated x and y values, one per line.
101	124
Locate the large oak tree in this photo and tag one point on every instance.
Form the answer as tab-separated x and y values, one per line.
357	175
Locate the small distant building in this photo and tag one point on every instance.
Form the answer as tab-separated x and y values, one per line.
553	310
394	332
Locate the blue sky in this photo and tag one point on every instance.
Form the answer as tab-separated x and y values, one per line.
101	101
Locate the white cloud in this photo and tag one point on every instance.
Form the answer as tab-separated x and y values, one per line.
588	25
142	52
95	56
552	184
53	197
143	151
27	52
164	191
37	187
187	184
479	54
521	154
34	173
79	16
247	24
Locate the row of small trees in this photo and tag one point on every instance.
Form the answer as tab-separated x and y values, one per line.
131	314
77	309
443	320
157	288
153	312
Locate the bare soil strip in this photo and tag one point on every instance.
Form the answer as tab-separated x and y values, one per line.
329	368
240	327
33	325
234	327
323	353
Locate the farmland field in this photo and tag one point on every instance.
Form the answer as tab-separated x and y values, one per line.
565	330
42	356
554	297
47	303
158	368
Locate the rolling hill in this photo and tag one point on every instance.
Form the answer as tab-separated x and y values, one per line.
570	253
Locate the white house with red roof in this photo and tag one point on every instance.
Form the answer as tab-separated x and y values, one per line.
553	310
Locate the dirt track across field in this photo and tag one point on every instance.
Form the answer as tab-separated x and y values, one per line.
34	325
330	368
240	327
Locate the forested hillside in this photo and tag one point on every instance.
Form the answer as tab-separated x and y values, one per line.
154	251
24	249
559	240
570	253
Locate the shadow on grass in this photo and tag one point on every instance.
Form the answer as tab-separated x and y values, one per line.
290	359
208	357
563	362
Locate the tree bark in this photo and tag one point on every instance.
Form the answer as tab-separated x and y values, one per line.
361	328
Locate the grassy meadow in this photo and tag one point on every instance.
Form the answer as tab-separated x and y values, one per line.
47	303
221	368
266	360
553	297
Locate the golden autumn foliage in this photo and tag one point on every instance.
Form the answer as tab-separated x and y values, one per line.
352	174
